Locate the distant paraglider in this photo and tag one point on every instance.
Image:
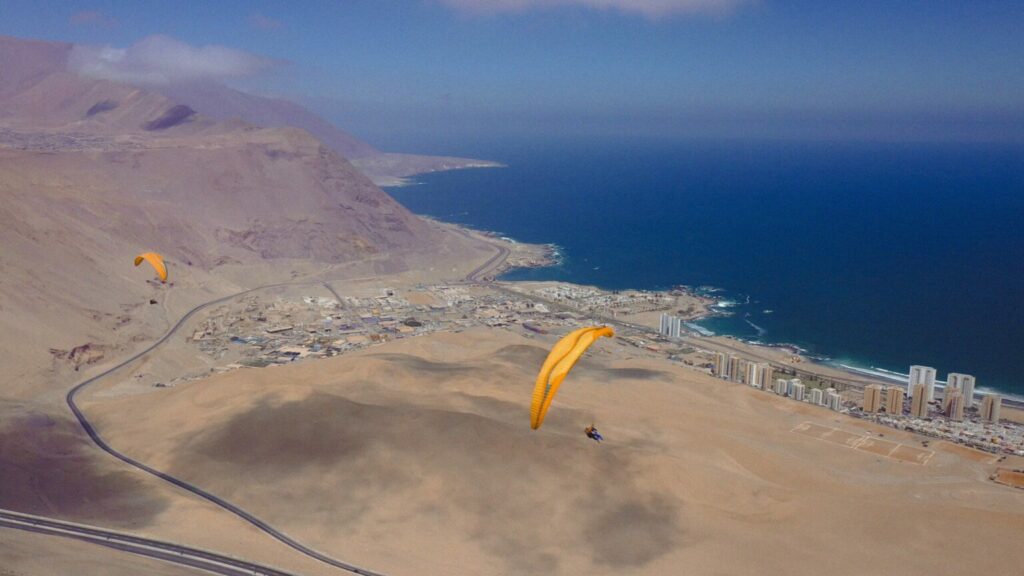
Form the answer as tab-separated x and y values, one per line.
560	360
156	261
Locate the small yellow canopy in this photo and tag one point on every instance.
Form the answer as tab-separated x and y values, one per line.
560	360
156	261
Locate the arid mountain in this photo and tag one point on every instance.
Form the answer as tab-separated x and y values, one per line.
220	102
38	71
93	172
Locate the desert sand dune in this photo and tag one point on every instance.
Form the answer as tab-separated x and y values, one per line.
416	457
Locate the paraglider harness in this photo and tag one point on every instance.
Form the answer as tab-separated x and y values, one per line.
592	433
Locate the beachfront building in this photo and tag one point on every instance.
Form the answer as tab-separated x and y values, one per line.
953	405
735	368
921	375
721	365
752	377
894	400
796	390
671	326
872	398
990	406
764	375
964	383
817	396
833	400
758	375
919	402
781	386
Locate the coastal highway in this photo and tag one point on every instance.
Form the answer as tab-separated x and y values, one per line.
480	273
166	551
476	275
495	263
236	510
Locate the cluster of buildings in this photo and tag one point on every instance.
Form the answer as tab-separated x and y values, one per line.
957	397
587	299
256	333
759	375
954	417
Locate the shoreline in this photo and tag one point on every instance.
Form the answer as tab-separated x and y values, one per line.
718	306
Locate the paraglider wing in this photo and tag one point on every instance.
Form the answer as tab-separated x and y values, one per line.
563	356
156	261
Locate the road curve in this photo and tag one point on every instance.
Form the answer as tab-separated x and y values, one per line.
102	444
495	262
474	276
166	551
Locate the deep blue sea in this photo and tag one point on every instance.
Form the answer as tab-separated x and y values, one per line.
878	255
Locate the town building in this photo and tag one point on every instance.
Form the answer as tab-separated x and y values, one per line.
721	365
833	400
817	396
758	375
964	383
735	368
671	326
751	375
765	375
990	407
781	386
796	390
894	400
919	402
953	405
872	398
921	375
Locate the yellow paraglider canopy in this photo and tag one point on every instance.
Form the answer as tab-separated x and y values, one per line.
560	360
156	261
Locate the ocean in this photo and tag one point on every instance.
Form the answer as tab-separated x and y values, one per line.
868	254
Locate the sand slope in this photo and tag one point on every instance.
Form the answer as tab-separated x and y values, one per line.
416	457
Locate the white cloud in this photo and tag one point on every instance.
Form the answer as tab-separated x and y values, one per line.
162	60
647	8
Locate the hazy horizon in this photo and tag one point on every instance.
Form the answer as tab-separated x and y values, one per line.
431	73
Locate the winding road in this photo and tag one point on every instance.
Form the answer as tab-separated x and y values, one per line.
236	510
479	273
173	552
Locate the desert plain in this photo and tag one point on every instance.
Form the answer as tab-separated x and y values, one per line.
416	457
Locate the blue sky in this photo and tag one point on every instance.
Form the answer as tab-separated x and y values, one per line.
418	73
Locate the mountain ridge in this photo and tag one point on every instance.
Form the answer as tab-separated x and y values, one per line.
94	171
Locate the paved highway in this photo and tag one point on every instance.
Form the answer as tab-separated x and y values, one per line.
123	541
478	274
236	510
494	263
166	551
475	276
